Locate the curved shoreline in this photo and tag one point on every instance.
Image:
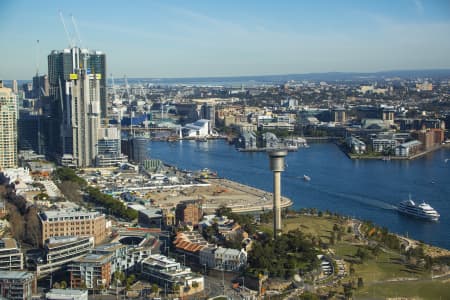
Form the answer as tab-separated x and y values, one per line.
260	200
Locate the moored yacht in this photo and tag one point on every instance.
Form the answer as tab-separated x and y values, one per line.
423	210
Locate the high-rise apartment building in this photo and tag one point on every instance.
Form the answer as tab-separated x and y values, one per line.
15	87
77	85
40	86
8	125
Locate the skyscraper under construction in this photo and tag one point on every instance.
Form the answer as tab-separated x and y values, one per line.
77	86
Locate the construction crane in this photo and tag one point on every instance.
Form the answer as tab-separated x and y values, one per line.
76	31
69	39
37	57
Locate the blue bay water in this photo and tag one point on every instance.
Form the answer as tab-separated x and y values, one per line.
364	189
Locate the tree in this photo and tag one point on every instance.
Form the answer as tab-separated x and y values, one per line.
352	270
63	284
176	288
360	282
348	292
32	227
130	280
223	211
308	296
332	238
118	277
362	254
16	221
71	191
67	174
155	288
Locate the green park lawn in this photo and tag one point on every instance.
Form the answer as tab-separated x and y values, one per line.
407	289
386	266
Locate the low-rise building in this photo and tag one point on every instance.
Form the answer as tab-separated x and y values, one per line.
152	217
190	243
73	222
92	271
60	251
168	273
356	146
118	254
17	285
188	212
380	144
11	258
230	259
66	294
408	148
198	129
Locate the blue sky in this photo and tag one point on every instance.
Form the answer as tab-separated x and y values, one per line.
144	38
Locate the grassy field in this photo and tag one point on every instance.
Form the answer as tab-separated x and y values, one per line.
377	272
384	267
418	289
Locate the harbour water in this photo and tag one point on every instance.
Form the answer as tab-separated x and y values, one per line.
368	190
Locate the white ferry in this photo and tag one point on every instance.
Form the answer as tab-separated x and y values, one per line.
423	210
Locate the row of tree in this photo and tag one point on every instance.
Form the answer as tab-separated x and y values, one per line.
23	218
71	184
113	206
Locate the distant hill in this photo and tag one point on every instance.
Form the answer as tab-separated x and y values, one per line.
279	79
435	74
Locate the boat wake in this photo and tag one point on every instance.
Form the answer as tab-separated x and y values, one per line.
361	199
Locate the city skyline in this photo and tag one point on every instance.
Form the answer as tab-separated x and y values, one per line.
201	39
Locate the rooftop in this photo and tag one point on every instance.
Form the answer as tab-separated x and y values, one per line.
15	275
94	258
56	293
67	213
8	243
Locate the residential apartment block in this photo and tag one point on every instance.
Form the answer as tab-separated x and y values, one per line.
92	271
11	258
167	273
17	285
61	250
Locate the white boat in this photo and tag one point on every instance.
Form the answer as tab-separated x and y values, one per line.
306	178
422	211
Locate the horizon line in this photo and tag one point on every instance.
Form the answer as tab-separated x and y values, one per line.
279	74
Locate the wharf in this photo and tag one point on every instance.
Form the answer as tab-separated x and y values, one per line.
288	148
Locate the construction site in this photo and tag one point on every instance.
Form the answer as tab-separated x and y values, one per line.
217	192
